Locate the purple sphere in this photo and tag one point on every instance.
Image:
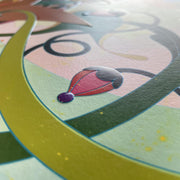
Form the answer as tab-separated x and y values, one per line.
65	97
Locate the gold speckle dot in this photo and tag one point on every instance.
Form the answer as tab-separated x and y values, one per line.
170	158
155	143
142	137
162	138
41	125
8	98
53	100
133	140
61	113
158	131
148	148
143	78
58	153
101	113
64	63
11	178
66	158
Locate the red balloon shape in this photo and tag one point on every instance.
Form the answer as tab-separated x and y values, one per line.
91	81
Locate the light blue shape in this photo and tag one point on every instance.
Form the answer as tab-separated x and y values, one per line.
152	137
29	169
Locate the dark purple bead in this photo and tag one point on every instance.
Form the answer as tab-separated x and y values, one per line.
65	97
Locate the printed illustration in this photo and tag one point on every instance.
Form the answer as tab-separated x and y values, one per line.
89	87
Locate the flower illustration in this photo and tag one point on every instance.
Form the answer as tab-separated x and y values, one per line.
42	13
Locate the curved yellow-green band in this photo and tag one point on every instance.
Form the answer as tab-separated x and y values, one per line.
54	143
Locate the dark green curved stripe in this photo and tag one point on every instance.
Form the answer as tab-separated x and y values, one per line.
10	149
131	105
